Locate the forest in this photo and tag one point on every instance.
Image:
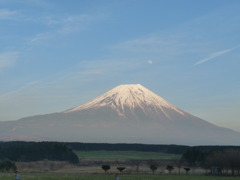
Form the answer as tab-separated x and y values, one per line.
35	151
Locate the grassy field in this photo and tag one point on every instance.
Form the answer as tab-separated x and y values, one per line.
125	155
110	177
90	160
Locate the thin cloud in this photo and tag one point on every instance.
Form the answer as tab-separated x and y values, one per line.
41	36
10	15
167	45
19	90
37	4
7	14
59	26
214	55
8	59
145	44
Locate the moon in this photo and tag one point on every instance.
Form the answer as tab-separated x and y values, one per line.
150	61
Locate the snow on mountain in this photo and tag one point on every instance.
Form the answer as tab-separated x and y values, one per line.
128	96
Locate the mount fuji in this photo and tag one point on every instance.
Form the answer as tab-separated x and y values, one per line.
125	114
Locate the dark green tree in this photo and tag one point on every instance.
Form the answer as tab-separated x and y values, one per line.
105	167
187	169
153	167
120	169
169	168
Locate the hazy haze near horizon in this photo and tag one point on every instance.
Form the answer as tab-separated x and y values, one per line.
55	55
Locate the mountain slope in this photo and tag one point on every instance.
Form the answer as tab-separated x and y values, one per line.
127	113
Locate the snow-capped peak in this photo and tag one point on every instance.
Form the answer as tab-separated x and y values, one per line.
128	96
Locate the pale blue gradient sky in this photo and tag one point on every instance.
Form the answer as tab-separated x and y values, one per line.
55	55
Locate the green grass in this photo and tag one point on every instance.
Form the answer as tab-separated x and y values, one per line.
125	155
110	177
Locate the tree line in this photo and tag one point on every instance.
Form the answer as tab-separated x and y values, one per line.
36	151
218	160
171	149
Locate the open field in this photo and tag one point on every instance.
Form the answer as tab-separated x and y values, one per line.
91	167
110	177
91	162
125	155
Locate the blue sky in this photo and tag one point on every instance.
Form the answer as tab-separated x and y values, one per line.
58	54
